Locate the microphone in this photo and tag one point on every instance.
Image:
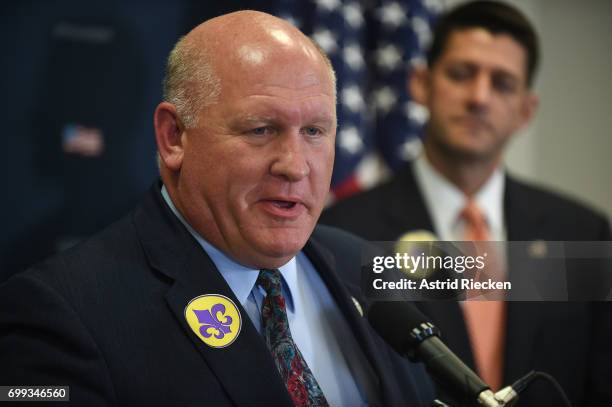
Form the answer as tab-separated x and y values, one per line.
410	333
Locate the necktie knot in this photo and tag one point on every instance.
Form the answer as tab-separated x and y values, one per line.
270	281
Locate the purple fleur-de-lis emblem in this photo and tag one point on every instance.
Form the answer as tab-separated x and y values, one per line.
214	318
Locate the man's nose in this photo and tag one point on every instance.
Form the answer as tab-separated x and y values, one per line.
480	92
291	160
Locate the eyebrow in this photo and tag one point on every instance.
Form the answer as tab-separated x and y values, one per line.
495	69
265	118
250	118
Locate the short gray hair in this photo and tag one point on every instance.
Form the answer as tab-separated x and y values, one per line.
190	82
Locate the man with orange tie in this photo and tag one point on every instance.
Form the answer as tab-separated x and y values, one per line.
477	88
218	289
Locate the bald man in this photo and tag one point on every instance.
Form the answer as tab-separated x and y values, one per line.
217	289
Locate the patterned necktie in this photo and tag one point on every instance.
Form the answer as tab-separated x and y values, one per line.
300	381
485	320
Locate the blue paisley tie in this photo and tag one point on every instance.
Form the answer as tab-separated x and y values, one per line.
300	382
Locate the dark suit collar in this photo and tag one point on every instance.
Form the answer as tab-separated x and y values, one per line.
522	217
523	221
245	368
407	206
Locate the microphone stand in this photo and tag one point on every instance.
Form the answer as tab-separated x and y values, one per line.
421	343
510	394
433	351
503	398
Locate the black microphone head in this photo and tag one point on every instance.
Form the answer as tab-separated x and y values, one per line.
408	331
399	323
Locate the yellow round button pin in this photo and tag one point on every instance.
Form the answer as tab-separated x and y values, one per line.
215	319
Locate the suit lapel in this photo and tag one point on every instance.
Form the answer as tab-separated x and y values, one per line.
522	318
407	210
522	219
245	368
324	262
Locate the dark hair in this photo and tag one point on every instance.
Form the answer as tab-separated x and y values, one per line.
495	17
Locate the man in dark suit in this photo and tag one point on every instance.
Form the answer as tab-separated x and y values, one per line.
217	289
477	88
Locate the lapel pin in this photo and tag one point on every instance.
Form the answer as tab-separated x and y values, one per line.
215	319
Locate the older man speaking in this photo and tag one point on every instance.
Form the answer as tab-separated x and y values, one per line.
215	290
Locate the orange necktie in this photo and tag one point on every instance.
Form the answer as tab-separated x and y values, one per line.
486	320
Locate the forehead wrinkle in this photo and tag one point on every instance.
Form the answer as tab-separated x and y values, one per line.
295	95
281	84
255	118
281	72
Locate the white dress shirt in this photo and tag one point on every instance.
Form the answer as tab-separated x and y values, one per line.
445	202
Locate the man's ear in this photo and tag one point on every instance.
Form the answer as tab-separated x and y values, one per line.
168	134
418	85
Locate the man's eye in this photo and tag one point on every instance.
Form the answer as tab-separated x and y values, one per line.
260	131
505	83
312	131
459	73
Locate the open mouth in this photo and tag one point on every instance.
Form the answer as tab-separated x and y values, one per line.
284	208
283	204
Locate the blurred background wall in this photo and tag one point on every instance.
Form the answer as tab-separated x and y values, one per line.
80	82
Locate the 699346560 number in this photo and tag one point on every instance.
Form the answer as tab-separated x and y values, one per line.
34	393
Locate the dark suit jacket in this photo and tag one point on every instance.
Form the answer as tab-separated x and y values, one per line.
106	318
569	340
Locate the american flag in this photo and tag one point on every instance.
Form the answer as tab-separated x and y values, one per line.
372	45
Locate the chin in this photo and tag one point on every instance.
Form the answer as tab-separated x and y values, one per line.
466	150
283	245
277	241
285	248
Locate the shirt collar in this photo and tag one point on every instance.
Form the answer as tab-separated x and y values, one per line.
490	198
241	279
445	201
